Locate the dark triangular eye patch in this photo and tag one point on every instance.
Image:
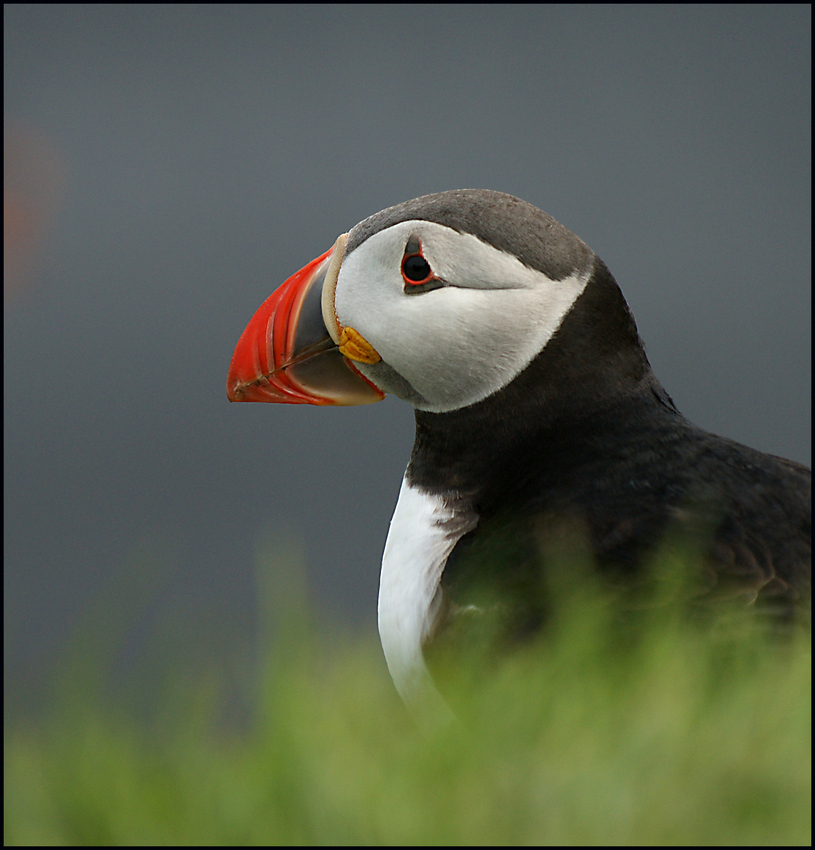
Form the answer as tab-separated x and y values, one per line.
414	246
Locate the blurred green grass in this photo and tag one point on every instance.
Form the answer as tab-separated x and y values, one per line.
659	733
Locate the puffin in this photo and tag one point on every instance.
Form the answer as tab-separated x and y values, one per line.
541	428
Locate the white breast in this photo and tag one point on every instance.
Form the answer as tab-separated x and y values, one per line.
423	531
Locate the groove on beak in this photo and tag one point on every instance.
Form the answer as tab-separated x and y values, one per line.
286	353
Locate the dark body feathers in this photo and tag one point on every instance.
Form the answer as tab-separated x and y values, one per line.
586	438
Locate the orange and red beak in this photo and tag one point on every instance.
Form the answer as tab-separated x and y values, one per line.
286	354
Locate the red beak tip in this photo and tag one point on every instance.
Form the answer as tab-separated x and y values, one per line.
272	364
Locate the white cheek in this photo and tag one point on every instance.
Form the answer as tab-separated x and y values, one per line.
469	343
459	344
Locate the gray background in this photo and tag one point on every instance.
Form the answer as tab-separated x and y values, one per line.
167	167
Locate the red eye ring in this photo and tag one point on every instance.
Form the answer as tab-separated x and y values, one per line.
416	271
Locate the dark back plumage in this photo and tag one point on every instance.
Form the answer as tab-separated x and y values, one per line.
586	438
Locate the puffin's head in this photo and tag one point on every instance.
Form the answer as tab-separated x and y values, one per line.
441	300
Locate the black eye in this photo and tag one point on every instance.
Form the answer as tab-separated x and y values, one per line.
416	269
